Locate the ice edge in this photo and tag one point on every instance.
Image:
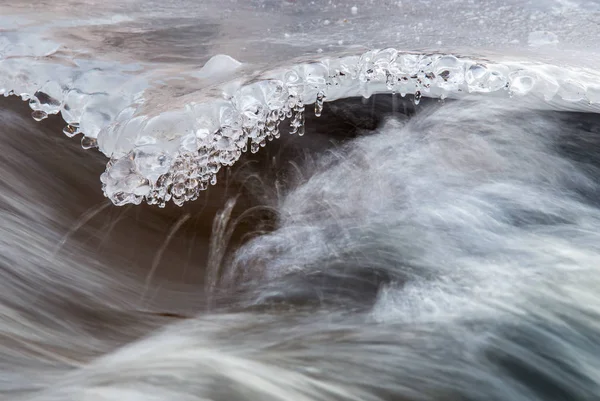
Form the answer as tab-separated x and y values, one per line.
177	154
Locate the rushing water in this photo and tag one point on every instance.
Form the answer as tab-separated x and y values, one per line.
428	231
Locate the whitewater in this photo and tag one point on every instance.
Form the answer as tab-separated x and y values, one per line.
299	200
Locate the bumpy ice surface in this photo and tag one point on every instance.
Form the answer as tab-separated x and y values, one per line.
173	91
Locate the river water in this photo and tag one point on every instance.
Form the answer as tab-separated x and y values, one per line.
428	231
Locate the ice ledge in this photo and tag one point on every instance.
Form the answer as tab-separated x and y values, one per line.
174	154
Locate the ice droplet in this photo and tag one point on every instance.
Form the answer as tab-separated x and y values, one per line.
89	143
319	103
417	98
70	130
39	115
521	83
390	82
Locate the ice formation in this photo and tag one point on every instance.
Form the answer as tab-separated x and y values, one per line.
168	124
